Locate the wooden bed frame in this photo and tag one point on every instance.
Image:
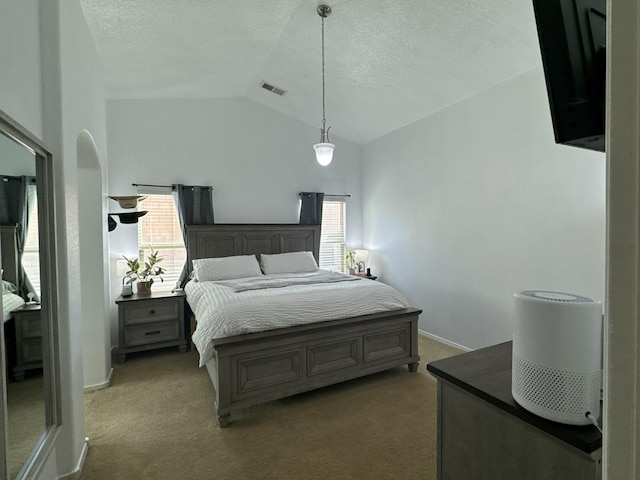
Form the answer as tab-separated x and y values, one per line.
259	367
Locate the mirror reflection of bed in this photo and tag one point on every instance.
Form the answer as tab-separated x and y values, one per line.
26	415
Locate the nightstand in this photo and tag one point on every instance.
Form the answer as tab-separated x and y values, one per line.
28	327
149	322
359	275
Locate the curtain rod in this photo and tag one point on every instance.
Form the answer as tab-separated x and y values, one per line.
171	187
332	194
154	186
6	178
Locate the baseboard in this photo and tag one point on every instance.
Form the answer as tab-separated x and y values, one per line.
76	472
100	386
443	340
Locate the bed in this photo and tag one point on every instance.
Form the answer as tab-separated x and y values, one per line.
260	366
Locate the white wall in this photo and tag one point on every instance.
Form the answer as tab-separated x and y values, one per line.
96	331
20	91
81	108
476	202
257	161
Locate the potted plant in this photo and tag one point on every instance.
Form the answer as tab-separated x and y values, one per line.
350	261
145	274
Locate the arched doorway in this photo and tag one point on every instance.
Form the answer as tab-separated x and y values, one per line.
96	338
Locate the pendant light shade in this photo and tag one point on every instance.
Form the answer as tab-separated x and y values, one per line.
324	149
324	153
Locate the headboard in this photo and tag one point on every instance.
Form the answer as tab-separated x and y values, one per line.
225	240
9	253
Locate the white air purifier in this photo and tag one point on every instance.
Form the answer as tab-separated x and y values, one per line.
557	356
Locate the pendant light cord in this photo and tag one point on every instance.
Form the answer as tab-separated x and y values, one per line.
324	132
324	149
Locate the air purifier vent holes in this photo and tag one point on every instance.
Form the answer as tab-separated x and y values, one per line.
554	389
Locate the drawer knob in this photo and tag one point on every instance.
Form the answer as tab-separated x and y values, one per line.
151	312
155	332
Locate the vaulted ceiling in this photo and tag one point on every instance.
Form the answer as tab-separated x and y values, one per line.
388	62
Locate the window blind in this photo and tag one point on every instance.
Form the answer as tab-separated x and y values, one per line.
333	238
31	254
160	229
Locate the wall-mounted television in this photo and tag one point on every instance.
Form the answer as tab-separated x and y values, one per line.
572	36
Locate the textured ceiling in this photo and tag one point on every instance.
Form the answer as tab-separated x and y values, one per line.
386	66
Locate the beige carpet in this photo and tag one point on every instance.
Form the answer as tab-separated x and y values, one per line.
156	421
26	419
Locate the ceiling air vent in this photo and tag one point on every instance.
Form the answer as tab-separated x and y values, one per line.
271	88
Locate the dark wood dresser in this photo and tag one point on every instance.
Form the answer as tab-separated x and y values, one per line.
483	434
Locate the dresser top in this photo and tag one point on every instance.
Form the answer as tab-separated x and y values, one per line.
154	296
486	373
27	307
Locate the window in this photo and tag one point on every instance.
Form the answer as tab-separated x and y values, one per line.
332	239
160	229
31	253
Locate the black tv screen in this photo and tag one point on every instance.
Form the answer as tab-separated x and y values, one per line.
572	36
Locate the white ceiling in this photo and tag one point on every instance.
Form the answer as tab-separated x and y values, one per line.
388	62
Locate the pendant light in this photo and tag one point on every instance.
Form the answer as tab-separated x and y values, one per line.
324	149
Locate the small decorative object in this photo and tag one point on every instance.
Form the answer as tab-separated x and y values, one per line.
362	256
129	201
131	217
143	274
127	289
350	261
125	217
143	289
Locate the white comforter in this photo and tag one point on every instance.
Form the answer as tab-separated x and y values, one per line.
10	302
221	312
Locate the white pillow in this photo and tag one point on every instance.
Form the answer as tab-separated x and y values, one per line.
225	268
292	262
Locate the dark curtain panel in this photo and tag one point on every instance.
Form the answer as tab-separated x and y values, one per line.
311	208
195	207
17	198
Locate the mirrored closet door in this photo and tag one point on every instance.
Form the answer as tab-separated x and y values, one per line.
29	334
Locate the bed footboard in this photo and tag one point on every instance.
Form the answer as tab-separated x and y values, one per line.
260	367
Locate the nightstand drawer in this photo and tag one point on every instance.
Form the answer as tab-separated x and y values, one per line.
31	351
151	333
155	311
30	325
